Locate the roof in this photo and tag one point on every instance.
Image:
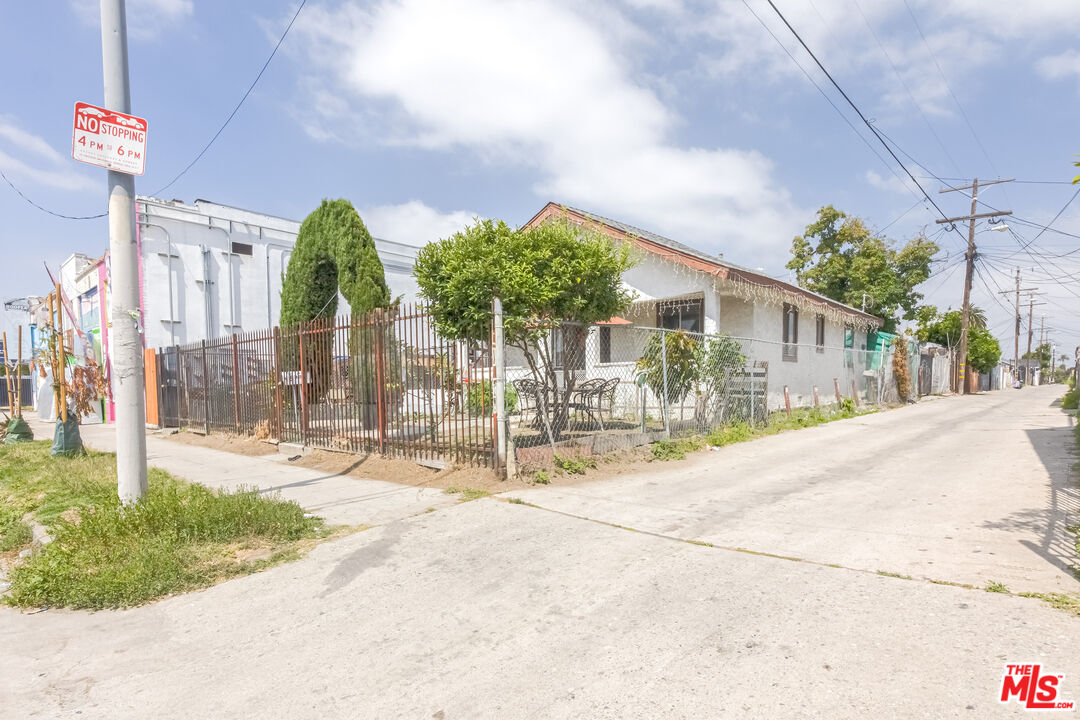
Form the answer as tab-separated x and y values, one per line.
691	257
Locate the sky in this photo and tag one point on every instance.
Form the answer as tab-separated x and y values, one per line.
702	121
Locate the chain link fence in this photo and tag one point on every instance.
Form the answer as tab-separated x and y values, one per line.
609	387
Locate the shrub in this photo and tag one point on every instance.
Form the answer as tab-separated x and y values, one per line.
481	396
1071	399
682	358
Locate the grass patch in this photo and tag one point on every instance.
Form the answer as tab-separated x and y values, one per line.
181	536
467	494
1071	399
676	449
515	501
778	422
886	573
1060	601
574	465
14	533
996	587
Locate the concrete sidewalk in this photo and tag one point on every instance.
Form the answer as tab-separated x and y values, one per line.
340	499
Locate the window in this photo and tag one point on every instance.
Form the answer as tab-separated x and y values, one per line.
605	343
241	249
568	347
820	334
791	333
680	315
849	336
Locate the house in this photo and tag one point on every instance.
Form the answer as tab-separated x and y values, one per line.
808	342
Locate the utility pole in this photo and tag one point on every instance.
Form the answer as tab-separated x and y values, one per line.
970	255
126	335
1016	325
1031	331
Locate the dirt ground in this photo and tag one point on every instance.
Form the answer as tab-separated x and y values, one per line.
241	445
407	472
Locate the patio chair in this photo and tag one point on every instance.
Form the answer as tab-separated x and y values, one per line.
589	396
527	396
607	395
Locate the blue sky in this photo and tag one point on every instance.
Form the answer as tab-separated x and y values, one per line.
685	118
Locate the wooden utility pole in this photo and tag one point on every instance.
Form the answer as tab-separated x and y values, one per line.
970	271
1016	325
1031	331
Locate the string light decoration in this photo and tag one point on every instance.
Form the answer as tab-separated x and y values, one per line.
692	267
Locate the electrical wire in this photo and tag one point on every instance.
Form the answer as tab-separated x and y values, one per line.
956	100
902	215
45	209
824	94
201	152
854	107
1018	182
238	105
911	96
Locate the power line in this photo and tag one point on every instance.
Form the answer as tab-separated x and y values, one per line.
238	105
900	77
854	106
1021	182
902	215
45	209
956	100
823	93
201	152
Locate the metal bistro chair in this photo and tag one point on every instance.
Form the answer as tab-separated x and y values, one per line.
589	398
607	393
528	400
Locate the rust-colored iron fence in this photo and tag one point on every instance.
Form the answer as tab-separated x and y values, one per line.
382	382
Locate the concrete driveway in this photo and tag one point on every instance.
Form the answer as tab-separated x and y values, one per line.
968	490
496	610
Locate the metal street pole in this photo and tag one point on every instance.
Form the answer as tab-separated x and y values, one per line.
126	336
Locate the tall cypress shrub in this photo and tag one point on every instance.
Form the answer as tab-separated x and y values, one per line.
333	251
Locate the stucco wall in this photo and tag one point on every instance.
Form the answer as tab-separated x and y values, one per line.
186	258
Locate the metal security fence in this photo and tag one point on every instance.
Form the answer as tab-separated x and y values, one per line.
382	382
610	386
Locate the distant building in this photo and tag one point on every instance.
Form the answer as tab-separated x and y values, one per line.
210	270
205	270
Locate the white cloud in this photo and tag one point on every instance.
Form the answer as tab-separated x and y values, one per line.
891	183
413	222
1065	65
535	84
965	36
27	141
17	144
146	19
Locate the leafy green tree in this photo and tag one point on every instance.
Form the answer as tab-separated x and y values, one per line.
1042	354
546	277
840	258
984	351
